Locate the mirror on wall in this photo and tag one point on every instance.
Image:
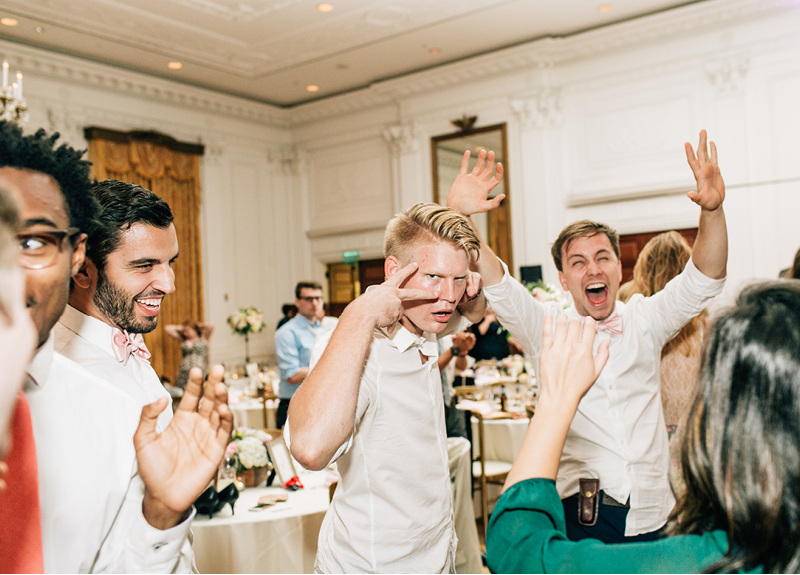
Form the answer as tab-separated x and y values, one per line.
447	150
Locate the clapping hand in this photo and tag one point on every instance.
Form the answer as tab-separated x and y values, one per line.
178	464
710	188
567	366
469	193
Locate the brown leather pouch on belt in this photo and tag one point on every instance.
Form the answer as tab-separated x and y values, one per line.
589	498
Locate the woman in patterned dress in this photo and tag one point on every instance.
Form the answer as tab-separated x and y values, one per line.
195	338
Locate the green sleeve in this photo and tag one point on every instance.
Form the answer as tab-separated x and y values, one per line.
527	534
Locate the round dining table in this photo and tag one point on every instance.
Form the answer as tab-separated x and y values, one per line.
281	538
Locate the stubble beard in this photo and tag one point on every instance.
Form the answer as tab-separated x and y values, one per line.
117	306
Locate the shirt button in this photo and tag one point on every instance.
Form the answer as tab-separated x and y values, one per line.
158	546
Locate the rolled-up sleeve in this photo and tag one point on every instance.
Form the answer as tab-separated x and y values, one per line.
527	534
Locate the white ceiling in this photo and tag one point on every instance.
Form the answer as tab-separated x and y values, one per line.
269	50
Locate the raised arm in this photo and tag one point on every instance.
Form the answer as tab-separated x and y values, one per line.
174	331
710	253
567	369
469	195
323	411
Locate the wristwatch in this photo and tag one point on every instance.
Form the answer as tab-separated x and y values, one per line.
455	350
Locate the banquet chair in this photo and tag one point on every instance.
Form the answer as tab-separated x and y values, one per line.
486	471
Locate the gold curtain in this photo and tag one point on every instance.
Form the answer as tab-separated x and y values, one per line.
175	176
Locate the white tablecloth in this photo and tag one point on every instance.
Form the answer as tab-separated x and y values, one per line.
278	539
503	437
251	413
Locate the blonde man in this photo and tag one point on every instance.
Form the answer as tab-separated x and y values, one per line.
373	401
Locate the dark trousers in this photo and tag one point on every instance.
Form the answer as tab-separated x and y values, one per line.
283	409
610	526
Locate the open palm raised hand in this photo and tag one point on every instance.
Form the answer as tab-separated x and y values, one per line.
470	191
710	188
178	464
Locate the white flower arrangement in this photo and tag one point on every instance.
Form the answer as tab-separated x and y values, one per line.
251	447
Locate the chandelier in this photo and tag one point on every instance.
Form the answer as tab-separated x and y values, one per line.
12	105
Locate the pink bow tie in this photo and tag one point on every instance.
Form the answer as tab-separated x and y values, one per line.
612	325
125	344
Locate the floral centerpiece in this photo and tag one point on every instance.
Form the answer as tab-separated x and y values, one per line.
244	322
250	447
546	292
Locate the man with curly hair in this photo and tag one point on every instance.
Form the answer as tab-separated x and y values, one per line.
107	503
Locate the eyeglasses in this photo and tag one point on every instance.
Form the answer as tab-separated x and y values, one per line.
39	249
311	299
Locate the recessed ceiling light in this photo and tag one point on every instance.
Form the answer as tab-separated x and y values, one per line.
174	65
434	51
39	29
9	21
604	8
325	7
312	88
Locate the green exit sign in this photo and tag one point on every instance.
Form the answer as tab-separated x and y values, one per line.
350	256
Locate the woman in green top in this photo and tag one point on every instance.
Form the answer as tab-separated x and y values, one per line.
740	454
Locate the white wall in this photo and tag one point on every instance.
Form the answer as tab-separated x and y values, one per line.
596	124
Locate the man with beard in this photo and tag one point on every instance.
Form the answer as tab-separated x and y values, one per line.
117	294
104	502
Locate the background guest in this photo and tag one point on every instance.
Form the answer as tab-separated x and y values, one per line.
661	259
794	271
453	350
289	310
294	342
195	338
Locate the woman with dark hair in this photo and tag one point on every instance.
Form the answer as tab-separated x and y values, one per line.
195	338
740	454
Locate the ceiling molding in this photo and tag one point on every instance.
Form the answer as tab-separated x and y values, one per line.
39	62
545	53
540	54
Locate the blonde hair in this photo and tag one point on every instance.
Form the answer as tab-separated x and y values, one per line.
661	259
423	223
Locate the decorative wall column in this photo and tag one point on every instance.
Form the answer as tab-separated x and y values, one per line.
406	166
540	201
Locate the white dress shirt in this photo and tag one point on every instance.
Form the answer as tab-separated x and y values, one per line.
89	489
392	511
87	342
618	434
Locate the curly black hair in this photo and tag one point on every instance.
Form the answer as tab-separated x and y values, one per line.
64	164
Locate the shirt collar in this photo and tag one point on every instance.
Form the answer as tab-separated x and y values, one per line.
39	367
403	339
90	328
303	322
